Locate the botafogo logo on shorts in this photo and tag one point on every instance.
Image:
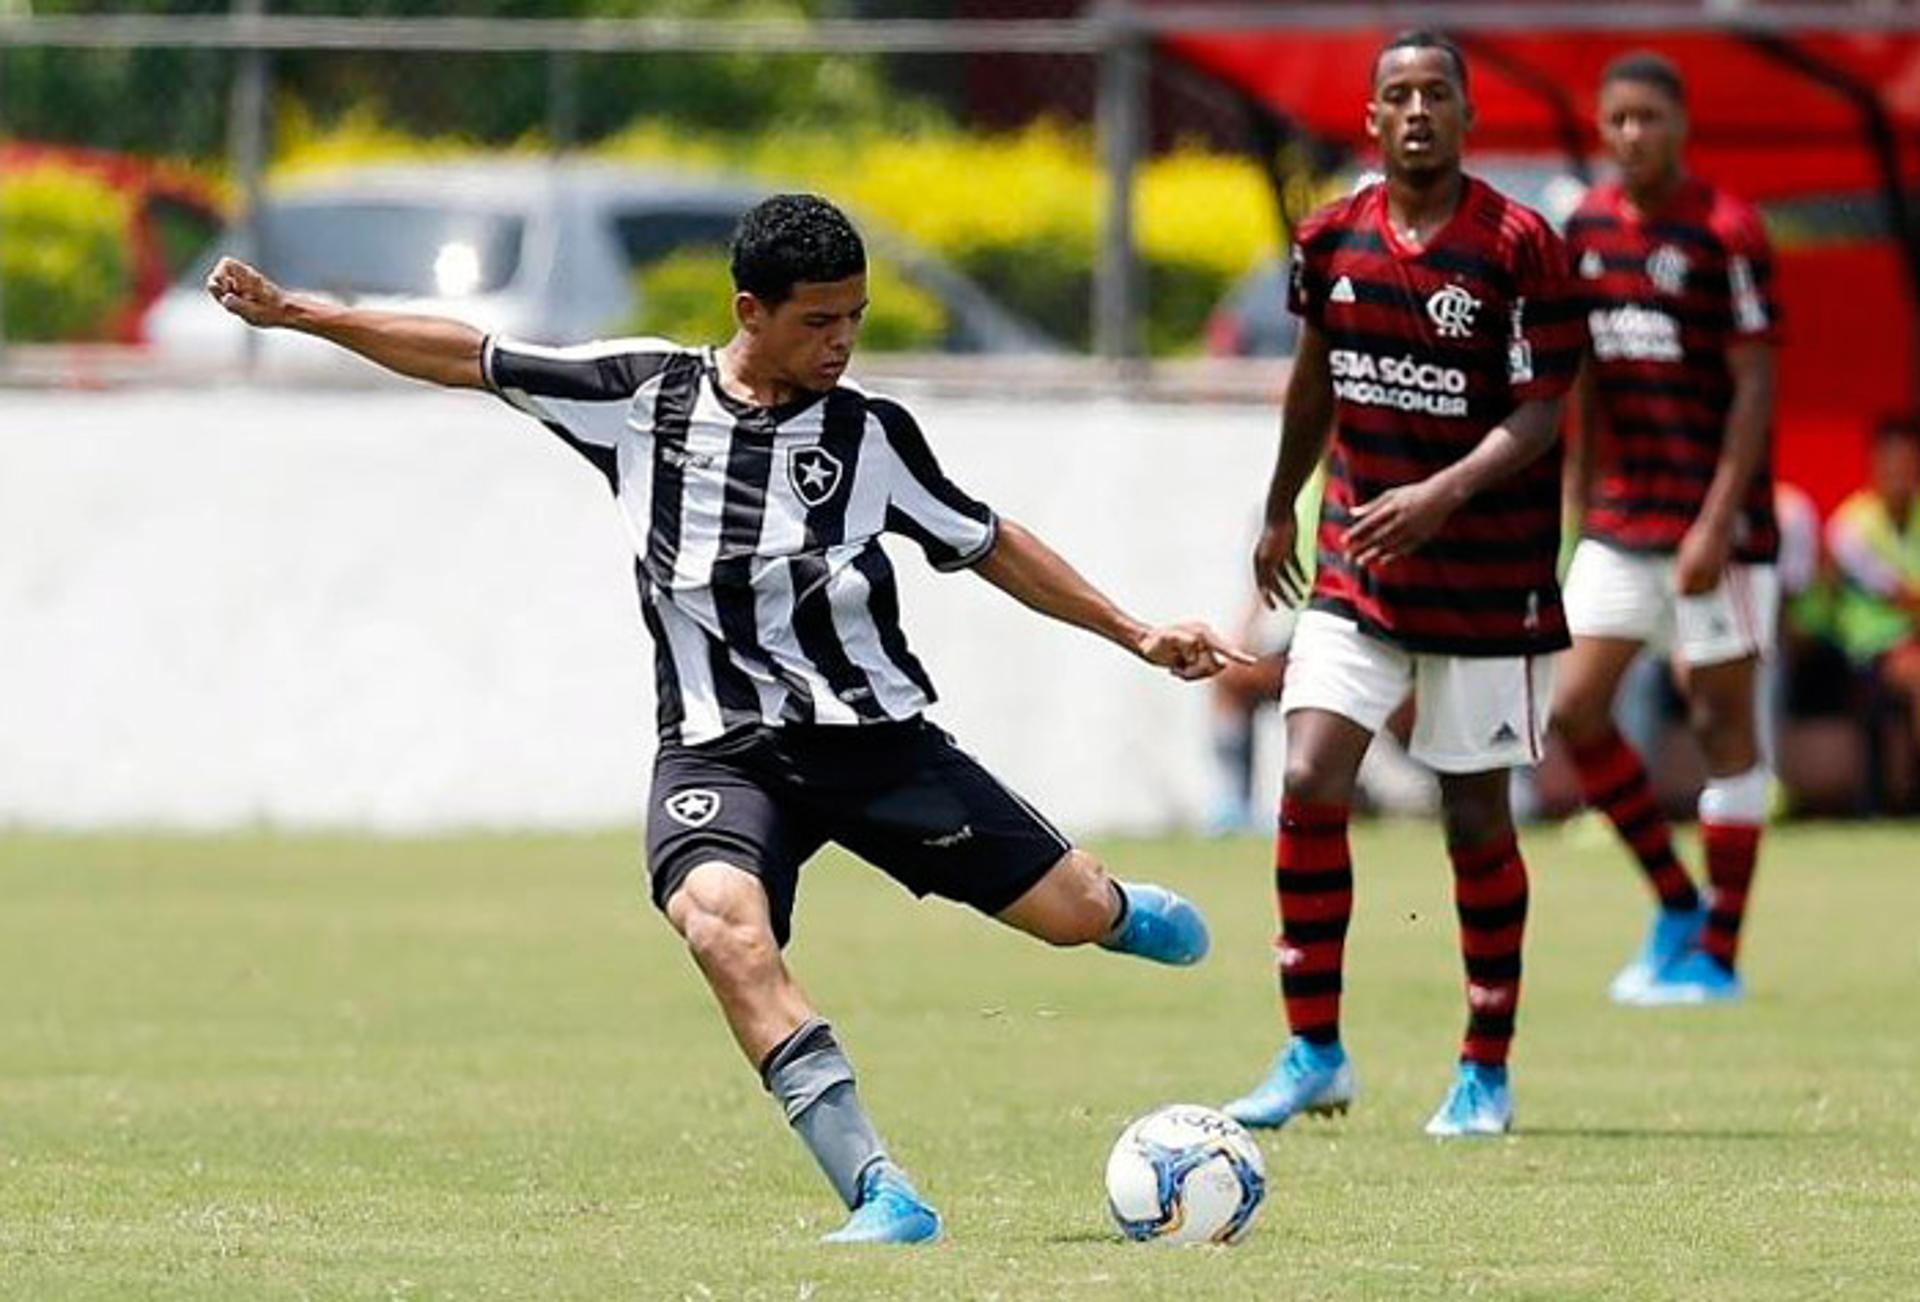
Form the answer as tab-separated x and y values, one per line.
694	807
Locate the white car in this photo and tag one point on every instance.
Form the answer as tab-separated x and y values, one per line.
543	250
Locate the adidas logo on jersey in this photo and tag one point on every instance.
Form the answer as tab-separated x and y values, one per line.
1504	735
1342	291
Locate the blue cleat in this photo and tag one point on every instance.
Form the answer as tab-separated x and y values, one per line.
1695	978
1673	933
1306	1077
1231	817
1478	1104
1160	926
889	1211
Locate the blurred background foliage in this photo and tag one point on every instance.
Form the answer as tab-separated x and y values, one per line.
63	254
689	296
1017	209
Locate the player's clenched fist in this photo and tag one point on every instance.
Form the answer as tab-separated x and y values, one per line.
247	294
1190	651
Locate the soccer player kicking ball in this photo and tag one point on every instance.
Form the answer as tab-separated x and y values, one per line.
1437	339
1678	536
755	483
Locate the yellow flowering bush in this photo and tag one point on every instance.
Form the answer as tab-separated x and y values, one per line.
64	241
1020	212
688	297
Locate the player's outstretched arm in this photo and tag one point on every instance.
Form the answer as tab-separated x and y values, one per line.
1400	519
434	349
1039	577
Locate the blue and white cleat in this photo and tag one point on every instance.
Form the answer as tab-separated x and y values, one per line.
1160	926
1478	1104
1672	933
1313	1078
890	1211
1696	978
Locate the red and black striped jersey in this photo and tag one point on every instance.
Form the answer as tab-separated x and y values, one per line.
1666	296
1431	348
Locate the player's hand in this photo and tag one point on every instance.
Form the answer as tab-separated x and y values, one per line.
1703	556
1189	651
247	294
1397	522
1276	565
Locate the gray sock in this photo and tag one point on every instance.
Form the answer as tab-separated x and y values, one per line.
810	1075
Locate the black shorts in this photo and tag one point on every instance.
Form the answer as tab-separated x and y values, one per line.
902	796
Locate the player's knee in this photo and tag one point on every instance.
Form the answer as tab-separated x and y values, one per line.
728	944
1476	818
1721	719
724	927
1307	778
1078	902
1578	718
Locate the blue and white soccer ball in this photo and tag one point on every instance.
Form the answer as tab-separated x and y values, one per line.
1185	1174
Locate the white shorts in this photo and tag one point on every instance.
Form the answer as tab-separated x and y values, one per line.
1631	595
1473	714
1270	632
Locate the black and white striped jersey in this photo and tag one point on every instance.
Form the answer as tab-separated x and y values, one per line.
756	530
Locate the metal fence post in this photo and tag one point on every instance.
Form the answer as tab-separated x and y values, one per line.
1121	119
247	149
563	100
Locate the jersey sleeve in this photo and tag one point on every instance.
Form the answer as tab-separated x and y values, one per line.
1751	312
1548	318
953	529
582	393
1307	270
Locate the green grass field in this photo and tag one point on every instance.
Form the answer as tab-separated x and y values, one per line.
332	1068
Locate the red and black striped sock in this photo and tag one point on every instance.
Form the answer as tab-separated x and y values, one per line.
1313	878
1614	781
1732	849
1490	892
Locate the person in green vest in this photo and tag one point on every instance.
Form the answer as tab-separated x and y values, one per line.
1874	538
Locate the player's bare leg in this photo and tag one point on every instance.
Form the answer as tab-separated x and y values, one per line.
1613	779
722	913
1490	896
1078	903
1733	811
1313	883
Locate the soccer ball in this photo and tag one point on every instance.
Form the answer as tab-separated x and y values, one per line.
1185	1174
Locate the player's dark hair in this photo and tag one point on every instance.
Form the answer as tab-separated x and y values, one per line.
1898	427
790	238
1421	38
1647	68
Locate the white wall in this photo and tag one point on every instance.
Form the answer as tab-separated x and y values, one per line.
415	609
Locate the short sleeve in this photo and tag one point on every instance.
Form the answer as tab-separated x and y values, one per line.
1548	331
953	529
1306	291
582	392
1752	313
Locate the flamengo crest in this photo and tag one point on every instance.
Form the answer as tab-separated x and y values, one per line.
1667	269
1453	309
815	474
